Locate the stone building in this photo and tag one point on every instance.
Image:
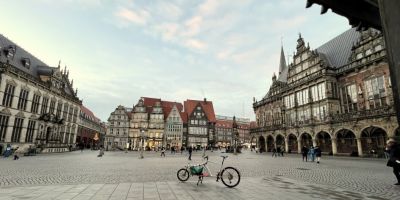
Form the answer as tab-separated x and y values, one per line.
118	129
39	106
223	131
90	128
201	123
174	120
337	96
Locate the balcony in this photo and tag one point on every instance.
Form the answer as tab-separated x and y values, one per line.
363	114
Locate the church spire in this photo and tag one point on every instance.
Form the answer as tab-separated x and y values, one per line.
282	62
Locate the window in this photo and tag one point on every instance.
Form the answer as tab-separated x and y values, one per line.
29	131
16	133
59	107
8	95
52	106
349	98
378	48
65	112
44	105
318	92
23	99
375	92
35	103
368	52
3	126
359	56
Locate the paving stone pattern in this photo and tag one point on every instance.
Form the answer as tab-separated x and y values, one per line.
117	171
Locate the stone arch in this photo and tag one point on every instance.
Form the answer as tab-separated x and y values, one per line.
292	142
270	143
306	139
346	141
324	141
261	144
373	140
397	134
280	142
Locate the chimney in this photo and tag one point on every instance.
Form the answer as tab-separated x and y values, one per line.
205	100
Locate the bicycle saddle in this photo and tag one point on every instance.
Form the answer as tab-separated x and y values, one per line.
224	156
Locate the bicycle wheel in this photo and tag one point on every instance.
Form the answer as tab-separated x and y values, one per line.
183	174
230	177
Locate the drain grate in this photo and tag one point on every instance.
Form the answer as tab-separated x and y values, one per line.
304	169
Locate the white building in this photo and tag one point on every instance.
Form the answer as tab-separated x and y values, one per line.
117	129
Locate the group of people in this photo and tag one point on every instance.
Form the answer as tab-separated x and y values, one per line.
311	154
277	152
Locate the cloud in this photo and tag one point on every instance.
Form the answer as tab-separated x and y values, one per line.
139	17
195	44
208	7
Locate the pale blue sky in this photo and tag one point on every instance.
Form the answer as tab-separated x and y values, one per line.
118	51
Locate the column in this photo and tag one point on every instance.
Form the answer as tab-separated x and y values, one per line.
314	142
286	144
10	128
35	131
299	146
359	147
334	146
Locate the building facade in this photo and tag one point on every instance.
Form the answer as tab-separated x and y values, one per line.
223	131
337	96
90	129
201	123
39	106
174	120
117	136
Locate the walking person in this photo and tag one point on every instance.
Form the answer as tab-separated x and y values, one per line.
304	152
311	154
318	153
190	152
394	158
274	152
162	152
101	152
8	151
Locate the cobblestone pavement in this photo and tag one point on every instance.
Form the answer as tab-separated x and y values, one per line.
367	176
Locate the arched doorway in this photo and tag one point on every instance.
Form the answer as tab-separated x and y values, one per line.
346	141
261	144
292	141
373	141
270	143
306	140
324	142
280	142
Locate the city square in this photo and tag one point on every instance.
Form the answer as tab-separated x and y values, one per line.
120	175
203	99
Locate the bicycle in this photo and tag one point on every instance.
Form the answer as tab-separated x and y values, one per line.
229	176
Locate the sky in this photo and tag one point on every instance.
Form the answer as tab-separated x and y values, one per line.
118	51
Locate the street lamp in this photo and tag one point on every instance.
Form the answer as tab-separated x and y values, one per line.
142	130
234	134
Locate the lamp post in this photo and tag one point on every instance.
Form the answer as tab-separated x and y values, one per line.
141	142
234	134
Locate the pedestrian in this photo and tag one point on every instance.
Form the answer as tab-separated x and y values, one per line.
394	158
274	152
81	146
182	149
318	153
162	152
256	149
101	152
304	152
311	154
283	151
16	157
8	151
190	152
278	151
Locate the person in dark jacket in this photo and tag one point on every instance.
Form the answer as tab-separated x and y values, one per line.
304	152
318	153
394	158
190	152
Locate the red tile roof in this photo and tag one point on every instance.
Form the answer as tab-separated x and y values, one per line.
207	106
148	101
253	124
89	113
223	124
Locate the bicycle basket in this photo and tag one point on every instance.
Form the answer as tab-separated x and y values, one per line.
196	170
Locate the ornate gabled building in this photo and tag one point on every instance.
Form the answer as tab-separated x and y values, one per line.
337	96
201	123
39	106
224	128
174	120
118	129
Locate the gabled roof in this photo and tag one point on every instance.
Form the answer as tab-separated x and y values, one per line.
223	124
148	101
168	105
337	51
207	106
89	113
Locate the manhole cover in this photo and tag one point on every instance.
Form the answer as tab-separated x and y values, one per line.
302	169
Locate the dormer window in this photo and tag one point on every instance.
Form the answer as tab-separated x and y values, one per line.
10	51
26	62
